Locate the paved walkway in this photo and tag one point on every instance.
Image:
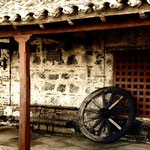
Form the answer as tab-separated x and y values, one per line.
42	141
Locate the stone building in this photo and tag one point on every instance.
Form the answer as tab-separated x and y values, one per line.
77	47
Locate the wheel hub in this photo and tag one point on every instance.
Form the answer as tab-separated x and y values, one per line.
105	113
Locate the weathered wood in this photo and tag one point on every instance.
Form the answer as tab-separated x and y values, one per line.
24	121
82	25
103	18
41	26
143	15
54	107
45	120
70	21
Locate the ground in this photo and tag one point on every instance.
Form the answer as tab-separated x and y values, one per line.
57	141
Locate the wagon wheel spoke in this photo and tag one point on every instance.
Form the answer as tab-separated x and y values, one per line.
119	117
96	104
108	127
119	110
111	99
101	128
90	110
91	119
95	125
115	123
104	100
116	102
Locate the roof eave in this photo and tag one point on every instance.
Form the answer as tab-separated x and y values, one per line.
145	8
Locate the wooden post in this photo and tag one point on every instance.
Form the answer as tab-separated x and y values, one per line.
24	121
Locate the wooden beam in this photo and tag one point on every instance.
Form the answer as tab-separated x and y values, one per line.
80	25
41	26
24	121
15	27
143	15
70	21
103	18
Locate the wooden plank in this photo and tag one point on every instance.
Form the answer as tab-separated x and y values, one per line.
49	121
24	121
54	107
45	120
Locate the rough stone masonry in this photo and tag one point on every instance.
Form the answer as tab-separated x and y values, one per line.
4	78
64	69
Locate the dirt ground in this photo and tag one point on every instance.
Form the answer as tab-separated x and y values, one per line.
59	141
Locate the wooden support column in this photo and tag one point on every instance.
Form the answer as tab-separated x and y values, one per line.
24	121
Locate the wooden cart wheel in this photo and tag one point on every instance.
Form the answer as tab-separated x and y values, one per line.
106	114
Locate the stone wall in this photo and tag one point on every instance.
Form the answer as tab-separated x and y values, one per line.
4	78
64	69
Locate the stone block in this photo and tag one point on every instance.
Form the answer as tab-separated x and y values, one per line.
61	88
65	76
73	88
53	76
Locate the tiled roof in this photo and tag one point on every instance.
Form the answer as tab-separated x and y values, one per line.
36	11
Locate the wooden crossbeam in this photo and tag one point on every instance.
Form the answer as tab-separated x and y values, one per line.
143	15
70	21
41	26
78	26
103	18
